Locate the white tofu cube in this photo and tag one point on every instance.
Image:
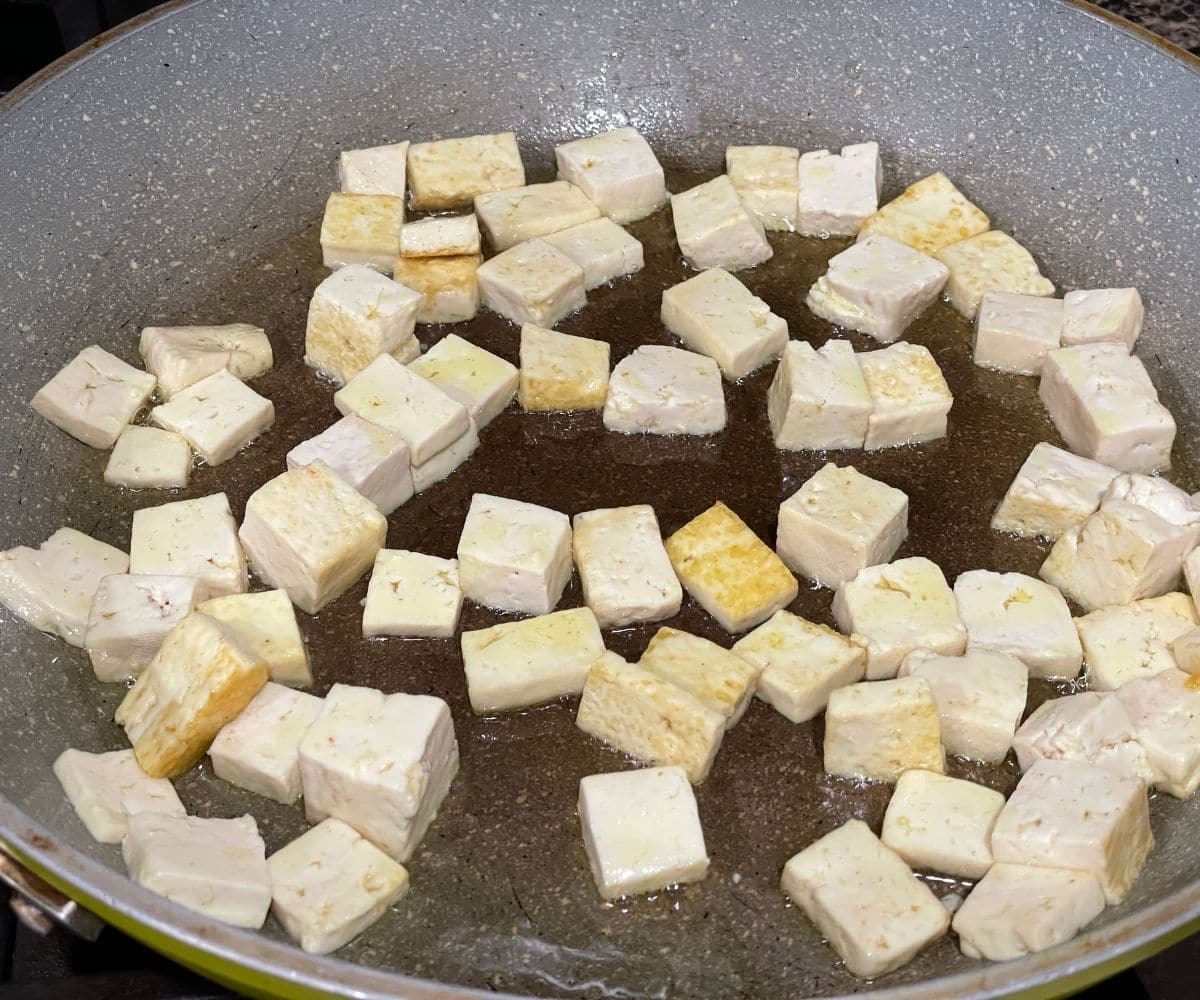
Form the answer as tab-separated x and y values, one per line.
1165	713
372	459
94	397
1070	814
190	538
105	789
440	466
130	617
449	173
441	236
217	867
931	213
617	170
717	678
766	179
909	397
381	763
602	248
308	532
878	730
623	566
980	699
484	383
218	416
1102	314
1017	910
149	458
518	664
561	372
1121	644
1106	408
330	884
714	229
265	624
355	315
260	749
179	356
990	262
514	556
840	522
800	663
1186	651
716	315
52	587
1052	492
512	216
729	571
899	607
864	900
374	170
818	399
641	830
413	595
397	398
449	287
1013	332
1091	727
361	229
199	680
649	718
838	191
665	390
1164	498
532	283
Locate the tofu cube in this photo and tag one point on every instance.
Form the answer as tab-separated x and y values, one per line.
518	664
990	262
1186	651
766	180
218	416
716	315
878	730
374	170
838	192
1161	497
1013	332
623	566
512	216
1106	408
406	403
434	470
714	229
105	789
931	214
532	283
308	532
649	718
413	595
840	522
381	763
1017	910
864	900
372	459
617	170
52	587
449	173
355	315
899	607
361	229
265	624
484	383
1073	815
1165	713
260	749
909	397
199	680
665	390
449	287
149	458
1121	644
217	867
729	570
441	236
196	538
1092	727
330	884
179	356
1102	314
130	617
818	399
94	397
980	699
561	372
1052	492
800	663
717	678
641	830
602	248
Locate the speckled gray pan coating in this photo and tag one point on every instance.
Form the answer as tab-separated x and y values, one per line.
177	175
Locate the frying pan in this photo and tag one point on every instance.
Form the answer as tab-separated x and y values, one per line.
175	171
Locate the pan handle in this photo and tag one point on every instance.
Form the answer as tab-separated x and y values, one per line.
39	906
